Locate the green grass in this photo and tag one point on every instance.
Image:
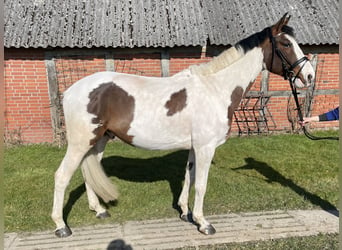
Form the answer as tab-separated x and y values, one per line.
319	242
247	174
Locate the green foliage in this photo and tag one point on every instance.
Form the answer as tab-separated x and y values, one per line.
247	174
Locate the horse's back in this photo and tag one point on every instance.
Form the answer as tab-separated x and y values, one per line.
149	112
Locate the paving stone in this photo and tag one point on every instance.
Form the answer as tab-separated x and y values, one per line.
174	233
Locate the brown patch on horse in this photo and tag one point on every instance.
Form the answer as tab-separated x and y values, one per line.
235	101
114	110
176	103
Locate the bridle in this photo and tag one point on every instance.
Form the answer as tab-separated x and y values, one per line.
288	68
288	74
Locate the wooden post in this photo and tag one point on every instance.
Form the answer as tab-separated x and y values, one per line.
265	74
165	63
109	61
55	105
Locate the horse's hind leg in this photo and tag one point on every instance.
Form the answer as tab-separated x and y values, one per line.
188	182
93	200
69	164
94	203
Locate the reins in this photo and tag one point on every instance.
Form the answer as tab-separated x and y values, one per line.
300	115
288	73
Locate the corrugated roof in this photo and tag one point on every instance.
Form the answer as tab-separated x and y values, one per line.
314	21
160	23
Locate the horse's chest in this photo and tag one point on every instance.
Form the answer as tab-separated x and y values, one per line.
209	121
213	117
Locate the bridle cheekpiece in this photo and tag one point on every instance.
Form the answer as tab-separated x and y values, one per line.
288	68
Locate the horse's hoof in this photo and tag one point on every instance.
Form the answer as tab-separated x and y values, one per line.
184	217
63	232
187	217
208	230
103	215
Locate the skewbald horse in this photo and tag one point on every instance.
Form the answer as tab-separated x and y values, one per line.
191	110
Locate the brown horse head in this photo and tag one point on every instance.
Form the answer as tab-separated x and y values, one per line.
283	56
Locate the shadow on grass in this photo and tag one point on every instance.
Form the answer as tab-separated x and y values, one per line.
274	176
169	167
73	197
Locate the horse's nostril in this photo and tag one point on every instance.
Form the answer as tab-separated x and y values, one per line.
310	78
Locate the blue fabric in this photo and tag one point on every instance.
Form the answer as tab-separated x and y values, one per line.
333	114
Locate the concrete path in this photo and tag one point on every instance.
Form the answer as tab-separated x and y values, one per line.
174	233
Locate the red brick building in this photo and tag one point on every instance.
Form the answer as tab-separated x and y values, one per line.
50	45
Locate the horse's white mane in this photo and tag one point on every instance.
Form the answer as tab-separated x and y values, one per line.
218	63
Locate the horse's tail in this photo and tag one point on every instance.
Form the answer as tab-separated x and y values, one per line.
95	176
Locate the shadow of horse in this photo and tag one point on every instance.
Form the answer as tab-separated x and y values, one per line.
170	168
273	176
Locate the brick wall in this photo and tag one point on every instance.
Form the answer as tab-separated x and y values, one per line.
28	116
147	64
27	106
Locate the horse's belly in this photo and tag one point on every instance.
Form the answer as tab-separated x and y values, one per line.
161	141
165	133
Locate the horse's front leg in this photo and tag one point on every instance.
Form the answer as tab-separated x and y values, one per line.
188	182
203	156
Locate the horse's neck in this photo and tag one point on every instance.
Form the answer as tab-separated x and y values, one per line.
239	74
218	63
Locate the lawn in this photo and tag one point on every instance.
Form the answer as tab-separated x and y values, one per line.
247	174
318	242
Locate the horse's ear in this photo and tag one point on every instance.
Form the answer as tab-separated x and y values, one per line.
276	29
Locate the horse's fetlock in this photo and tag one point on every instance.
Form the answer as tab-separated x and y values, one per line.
183	206
197	219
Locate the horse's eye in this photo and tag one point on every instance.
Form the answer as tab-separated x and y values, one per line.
287	45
